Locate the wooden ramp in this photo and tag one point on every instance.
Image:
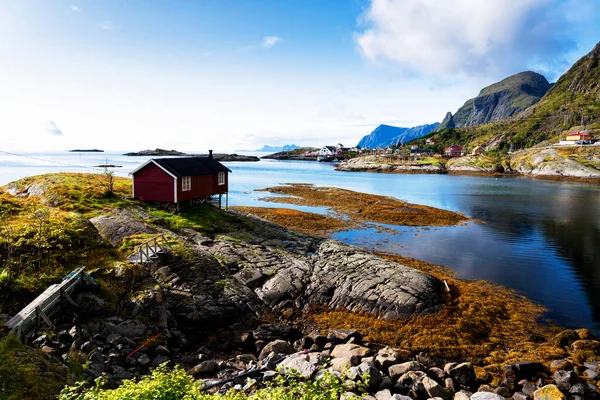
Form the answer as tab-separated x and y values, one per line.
38	311
149	250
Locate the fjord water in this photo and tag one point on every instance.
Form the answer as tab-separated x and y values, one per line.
541	238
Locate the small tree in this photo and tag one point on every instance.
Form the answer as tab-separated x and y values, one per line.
110	177
40	218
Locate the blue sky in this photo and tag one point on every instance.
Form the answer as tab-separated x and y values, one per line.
237	74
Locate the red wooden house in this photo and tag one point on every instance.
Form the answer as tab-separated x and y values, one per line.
179	179
453	151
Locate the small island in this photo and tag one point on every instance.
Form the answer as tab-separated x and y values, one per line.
86	151
216	156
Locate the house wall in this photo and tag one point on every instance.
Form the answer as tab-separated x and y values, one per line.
202	186
151	183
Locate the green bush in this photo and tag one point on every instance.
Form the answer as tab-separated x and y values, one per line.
174	384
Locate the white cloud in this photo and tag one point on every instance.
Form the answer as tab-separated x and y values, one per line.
270	41
463	36
75	8
107	25
53	129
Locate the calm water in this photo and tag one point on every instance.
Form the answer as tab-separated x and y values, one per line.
541	238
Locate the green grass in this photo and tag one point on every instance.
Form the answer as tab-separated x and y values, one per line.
26	373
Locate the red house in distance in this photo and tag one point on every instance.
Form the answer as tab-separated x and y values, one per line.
180	179
454	151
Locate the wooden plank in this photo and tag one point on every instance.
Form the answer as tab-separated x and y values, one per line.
47	299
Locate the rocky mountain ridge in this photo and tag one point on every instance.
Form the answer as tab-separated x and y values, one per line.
499	101
386	135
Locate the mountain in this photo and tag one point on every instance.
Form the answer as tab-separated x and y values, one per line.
571	104
385	135
274	149
500	100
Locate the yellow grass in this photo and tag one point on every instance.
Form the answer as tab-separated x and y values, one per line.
366	207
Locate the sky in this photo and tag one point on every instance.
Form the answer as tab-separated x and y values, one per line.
194	75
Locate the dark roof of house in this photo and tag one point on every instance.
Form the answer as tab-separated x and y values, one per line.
191	166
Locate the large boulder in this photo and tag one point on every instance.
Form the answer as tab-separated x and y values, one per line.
346	277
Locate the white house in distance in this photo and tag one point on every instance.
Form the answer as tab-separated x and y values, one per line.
328	151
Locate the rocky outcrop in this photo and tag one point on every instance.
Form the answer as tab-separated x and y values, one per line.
226	278
335	275
559	162
476	165
447	122
344	278
388	164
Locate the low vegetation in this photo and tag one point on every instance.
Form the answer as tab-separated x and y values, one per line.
304	222
481	322
365	207
172	384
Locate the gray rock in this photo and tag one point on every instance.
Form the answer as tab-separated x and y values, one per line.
387	357
463	374
435	390
163	351
529	388
383	395
503	391
591	365
397	396
369	360
120	373
277	346
143	360
131	328
486	388
591	374
462	395
486	396
400	369
565	379
205	367
350	349
114	339
343	335
341	364
520	396
406	381
89	303
352	279
437	373
372	374
300	364
561	364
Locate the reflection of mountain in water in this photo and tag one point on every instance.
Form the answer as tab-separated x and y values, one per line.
580	243
568	219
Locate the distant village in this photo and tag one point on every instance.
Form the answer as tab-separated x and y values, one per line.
339	152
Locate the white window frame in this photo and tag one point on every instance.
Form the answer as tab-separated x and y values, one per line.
221	178
186	184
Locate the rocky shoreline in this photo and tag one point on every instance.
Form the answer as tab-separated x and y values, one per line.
568	163
241	293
